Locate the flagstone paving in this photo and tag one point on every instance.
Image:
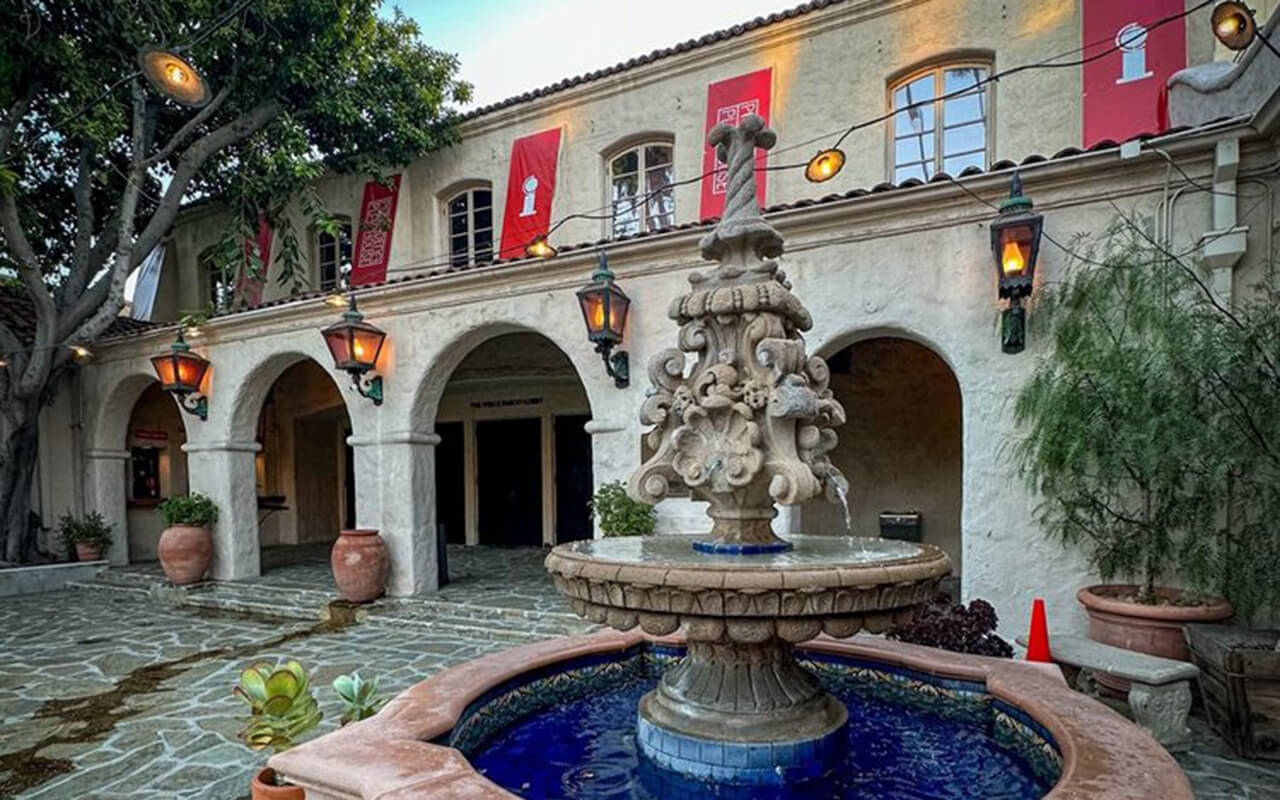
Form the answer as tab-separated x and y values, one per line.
119	690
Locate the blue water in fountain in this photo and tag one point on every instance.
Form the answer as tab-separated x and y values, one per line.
586	750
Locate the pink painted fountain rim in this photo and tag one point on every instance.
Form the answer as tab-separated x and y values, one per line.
390	755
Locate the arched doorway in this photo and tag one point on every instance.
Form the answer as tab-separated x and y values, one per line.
157	468
304	469
513	467
902	447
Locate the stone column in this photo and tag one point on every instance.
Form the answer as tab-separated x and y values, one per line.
609	460
396	494
225	471
105	487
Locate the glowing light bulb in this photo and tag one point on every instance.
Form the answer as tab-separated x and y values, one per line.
358	349
81	351
336	300
1011	258
175	73
540	248
825	165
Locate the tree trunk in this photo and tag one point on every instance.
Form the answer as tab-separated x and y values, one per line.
20	429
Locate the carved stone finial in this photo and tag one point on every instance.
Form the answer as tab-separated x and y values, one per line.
751	425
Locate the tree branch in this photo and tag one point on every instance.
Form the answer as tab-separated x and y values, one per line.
199	119
74	285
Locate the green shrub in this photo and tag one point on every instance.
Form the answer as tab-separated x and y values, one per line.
359	696
91	529
618	514
282	706
188	509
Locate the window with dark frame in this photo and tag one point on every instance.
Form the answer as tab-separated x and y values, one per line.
333	254
640	191
947	135
218	286
469	222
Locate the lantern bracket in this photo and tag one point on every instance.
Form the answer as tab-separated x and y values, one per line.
617	365
368	385
195	404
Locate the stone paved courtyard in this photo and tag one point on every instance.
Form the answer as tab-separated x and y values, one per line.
112	691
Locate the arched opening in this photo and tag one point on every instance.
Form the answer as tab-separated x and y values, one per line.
902	447
157	468
304	470
513	467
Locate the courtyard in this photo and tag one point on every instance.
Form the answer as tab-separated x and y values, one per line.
120	694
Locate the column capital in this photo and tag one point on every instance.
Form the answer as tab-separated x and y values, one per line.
227	446
105	454
599	426
397	437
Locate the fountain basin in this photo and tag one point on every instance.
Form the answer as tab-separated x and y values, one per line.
404	751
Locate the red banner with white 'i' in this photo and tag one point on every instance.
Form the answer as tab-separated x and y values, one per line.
531	188
1124	91
373	238
728	101
249	285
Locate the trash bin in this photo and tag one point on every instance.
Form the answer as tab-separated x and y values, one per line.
905	526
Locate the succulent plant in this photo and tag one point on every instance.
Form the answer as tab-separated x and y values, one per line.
281	702
360	696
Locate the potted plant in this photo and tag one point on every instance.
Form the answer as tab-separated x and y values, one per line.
88	536
186	545
360	698
1151	434
618	514
360	564
282	708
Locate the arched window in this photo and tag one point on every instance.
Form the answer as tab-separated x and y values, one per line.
333	254
640	192
469	226
943	135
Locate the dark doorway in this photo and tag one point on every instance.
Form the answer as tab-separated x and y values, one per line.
573	478
349	479
450	490
509	474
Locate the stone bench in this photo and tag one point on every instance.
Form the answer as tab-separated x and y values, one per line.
1160	688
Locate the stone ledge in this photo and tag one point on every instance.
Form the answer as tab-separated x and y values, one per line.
47	577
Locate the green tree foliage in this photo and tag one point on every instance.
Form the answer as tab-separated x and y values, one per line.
94	164
1152	429
618	514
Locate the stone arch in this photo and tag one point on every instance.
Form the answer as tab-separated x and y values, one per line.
110	424
902	448
510	388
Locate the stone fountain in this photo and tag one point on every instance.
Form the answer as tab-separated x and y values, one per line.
747	427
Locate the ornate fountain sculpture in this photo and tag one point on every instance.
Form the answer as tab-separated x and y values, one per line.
749	426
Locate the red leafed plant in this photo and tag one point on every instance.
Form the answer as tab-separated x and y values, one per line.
951	626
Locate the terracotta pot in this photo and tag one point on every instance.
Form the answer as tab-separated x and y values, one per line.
185	552
360	565
264	787
88	552
1152	629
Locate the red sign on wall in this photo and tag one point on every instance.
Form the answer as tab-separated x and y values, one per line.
531	187
373	239
728	101
1124	91
249	287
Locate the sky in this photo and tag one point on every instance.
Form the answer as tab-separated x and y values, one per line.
507	47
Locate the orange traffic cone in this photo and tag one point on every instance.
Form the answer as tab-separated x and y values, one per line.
1038	637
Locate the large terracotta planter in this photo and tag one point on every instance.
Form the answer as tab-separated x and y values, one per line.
1153	629
264	788
185	552
360	565
88	552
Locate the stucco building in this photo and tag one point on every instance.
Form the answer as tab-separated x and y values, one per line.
498	417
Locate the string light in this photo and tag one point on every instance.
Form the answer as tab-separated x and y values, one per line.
825	165
540	247
81	352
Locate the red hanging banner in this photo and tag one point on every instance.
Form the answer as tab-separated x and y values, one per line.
373	238
1124	91
249	286
727	102
531	187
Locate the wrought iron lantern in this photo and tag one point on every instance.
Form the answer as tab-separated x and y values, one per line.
174	77
181	372
825	165
1015	243
604	308
355	346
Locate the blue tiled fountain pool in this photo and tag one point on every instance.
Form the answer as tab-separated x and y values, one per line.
570	733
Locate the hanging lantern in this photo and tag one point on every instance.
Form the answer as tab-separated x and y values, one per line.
181	372
604	308
174	77
1015	243
355	346
825	165
1234	25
